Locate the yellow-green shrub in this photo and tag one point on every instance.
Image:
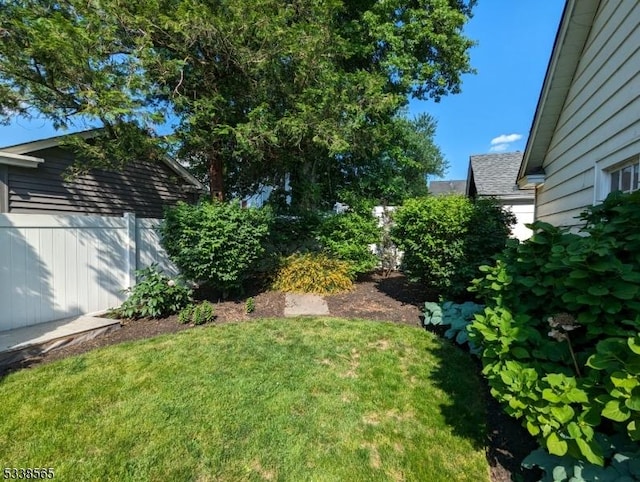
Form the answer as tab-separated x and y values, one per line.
313	273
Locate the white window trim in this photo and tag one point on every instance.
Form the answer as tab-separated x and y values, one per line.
603	171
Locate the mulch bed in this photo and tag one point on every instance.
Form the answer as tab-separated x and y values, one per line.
375	298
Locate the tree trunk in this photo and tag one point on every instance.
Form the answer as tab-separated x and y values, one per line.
216	181
303	188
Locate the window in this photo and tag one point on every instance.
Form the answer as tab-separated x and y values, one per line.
625	177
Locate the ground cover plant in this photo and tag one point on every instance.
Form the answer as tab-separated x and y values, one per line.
560	334
300	399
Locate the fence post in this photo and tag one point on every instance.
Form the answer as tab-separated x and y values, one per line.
130	224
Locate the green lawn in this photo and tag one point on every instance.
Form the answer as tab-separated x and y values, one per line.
318	399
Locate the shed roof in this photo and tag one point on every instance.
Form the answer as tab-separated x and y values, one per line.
17	155
495	175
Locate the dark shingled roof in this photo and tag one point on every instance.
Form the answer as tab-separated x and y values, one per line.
496	174
447	187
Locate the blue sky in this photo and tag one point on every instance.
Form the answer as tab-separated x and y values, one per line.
495	109
515	38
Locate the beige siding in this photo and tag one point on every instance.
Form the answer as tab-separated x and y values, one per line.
600	119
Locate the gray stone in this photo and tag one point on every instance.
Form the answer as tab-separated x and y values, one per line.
305	305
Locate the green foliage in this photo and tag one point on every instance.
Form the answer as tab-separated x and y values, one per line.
446	238
218	244
256	89
250	305
623	466
560	331
203	313
455	315
293	233
197	314
347	237
399	171
313	273
155	295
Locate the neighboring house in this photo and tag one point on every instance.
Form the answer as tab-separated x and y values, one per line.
585	137
31	181
494	175
439	188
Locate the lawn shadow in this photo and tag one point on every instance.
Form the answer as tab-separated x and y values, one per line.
477	416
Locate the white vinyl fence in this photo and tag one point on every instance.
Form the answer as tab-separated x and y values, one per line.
54	267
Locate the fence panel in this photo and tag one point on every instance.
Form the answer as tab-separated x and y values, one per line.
54	267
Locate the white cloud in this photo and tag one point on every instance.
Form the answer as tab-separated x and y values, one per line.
499	148
505	139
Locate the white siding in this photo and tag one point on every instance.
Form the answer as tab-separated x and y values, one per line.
54	267
600	119
524	215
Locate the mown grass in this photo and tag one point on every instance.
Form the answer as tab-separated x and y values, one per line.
316	399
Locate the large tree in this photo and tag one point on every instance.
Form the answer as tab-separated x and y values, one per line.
254	89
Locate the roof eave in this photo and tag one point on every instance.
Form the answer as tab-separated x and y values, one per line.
575	25
19	160
21	149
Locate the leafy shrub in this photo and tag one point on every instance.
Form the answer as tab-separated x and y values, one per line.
446	238
347	237
155	295
197	314
624	466
313	273
457	316
216	243
560	332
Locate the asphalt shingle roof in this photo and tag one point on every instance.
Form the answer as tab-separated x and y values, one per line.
496	174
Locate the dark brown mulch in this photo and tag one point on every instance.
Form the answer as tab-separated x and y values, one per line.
376	298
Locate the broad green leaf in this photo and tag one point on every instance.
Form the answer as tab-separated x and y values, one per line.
591	451
634	344
555	445
562	413
633	403
533	429
625	291
577	396
616	412
549	395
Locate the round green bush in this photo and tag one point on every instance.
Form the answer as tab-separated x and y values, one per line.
215	243
446	238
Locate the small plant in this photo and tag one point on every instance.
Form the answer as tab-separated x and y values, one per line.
155	295
197	314
185	316
313	273
203	313
250	305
